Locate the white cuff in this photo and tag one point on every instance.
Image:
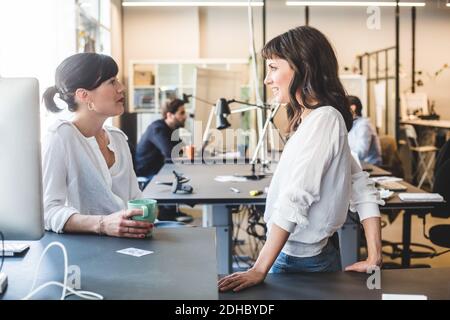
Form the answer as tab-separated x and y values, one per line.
283	223
55	222
290	215
367	210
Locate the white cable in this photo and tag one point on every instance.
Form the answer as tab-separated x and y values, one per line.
82	294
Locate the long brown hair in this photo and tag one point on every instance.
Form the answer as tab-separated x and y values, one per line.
316	78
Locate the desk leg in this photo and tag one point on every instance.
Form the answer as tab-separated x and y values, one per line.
406	257
219	217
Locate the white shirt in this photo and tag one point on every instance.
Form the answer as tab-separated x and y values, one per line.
363	140
315	182
76	178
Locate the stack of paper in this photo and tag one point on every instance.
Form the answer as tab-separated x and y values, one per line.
386	179
385	194
421	197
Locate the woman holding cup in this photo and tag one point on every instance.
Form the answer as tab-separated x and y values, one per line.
88	175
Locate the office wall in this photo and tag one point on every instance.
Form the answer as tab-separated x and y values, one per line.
117	34
177	33
160	33
224	32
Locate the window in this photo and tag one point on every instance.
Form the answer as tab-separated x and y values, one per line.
94	26
37	35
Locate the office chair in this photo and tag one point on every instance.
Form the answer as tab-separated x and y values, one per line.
440	234
425	155
390	157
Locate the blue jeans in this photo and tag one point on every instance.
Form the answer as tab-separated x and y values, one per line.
329	260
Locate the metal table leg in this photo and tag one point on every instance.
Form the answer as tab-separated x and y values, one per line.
406	256
219	217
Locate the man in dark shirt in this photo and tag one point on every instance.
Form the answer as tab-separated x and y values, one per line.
155	148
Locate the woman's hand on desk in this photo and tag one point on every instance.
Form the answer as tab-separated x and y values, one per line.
119	224
363	266
241	280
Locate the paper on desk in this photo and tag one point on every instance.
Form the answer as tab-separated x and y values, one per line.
232	155
230	179
385	296
428	197
385	194
134	252
386	179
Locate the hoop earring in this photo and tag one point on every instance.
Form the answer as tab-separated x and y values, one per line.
90	106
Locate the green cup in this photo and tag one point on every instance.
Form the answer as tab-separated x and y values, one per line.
148	207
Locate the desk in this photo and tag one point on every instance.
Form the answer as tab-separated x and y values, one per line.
182	267
411	208
217	195
439	130
441	124
375	171
433	283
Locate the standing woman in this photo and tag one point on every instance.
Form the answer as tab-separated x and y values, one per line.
88	174
316	179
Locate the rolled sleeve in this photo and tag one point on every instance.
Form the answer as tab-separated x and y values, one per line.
365	198
56	218
291	217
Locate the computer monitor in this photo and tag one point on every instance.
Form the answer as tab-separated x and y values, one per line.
21	208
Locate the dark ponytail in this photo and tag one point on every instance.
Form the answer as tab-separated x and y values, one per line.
48	96
79	71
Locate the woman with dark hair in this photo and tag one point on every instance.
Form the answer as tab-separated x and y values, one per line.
316	179
88	174
363	139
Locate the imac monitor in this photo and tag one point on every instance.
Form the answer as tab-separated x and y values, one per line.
21	208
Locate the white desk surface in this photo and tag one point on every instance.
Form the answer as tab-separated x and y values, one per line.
444	124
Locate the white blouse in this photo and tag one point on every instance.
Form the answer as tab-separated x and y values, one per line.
76	178
315	183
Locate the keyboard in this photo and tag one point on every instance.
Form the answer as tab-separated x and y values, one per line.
12	249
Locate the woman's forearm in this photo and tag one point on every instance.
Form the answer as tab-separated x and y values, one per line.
372	231
271	249
82	224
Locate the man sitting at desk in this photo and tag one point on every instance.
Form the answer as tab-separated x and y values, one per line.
155	148
362	138
156	144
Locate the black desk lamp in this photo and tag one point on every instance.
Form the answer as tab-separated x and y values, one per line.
222	112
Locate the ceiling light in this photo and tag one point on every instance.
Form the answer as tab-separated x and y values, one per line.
191	4
355	3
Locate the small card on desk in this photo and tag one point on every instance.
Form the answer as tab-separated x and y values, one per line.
386	296
134	252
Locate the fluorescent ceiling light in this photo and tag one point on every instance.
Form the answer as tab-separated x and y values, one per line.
190	4
355	3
